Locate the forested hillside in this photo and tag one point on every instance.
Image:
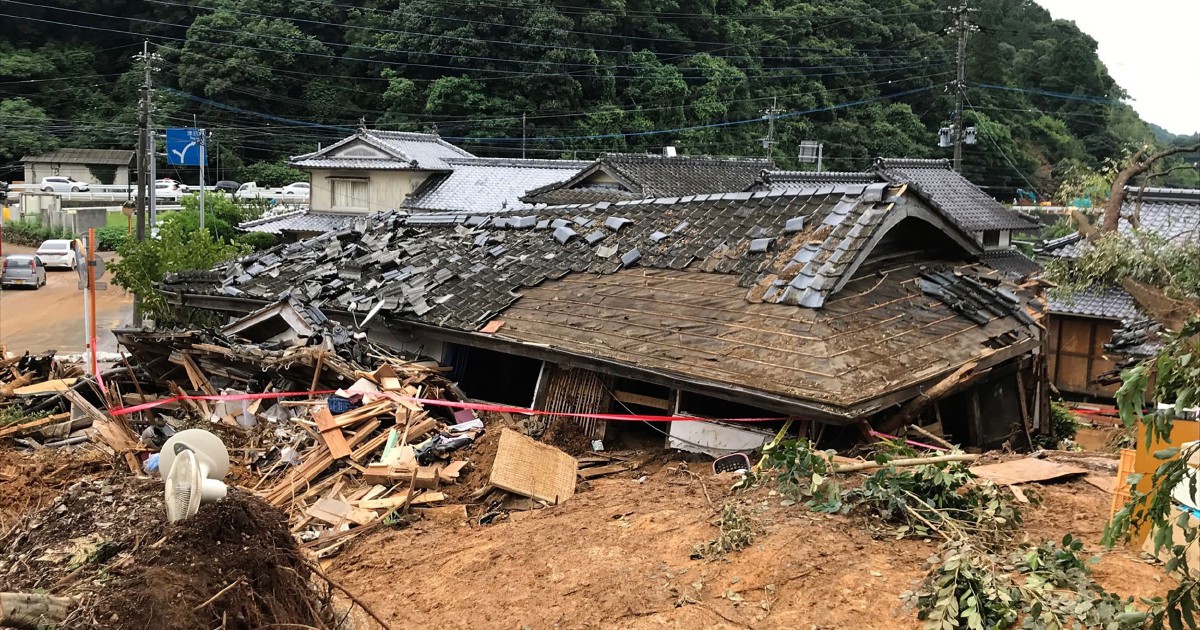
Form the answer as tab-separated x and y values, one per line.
273	78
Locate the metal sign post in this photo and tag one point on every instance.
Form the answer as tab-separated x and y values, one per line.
186	147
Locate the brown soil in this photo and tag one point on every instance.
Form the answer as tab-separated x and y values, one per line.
107	542
239	541
566	435
29	482
620	556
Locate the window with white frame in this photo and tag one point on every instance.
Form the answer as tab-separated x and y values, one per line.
350	194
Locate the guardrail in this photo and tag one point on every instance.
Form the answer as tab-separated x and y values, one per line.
108	192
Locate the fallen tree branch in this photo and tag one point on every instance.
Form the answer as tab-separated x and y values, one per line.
917	461
931	437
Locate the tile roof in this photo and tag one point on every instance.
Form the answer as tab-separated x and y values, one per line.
1171	213
298	221
954	194
1105	302
1010	262
488	184
702	287
813	179
112	157
652	176
400	150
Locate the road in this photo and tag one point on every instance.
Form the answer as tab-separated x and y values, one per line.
52	316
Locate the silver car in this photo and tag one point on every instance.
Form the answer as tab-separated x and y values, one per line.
58	253
23	270
62	184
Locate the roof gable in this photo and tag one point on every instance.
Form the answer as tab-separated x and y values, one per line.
650	176
962	201
384	150
488	184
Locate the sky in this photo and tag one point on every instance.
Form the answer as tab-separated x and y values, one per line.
1150	48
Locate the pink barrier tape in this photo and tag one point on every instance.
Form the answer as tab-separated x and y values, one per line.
438	403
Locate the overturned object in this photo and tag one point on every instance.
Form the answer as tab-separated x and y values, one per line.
193	464
532	469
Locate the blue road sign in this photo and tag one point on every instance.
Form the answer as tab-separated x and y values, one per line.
183	146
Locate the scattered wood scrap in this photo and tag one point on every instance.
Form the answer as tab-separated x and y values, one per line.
1026	470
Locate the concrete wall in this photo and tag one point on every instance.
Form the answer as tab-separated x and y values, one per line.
388	189
35	171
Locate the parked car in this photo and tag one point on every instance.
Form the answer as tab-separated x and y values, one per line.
249	190
59	253
62	184
227	186
169	189
298	189
24	270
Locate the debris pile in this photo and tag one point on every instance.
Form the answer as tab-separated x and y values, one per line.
104	551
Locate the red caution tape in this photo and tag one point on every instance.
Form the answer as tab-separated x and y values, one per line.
618	417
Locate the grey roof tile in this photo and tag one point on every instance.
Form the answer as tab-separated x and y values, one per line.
1095	301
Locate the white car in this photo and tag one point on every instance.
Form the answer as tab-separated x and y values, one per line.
297	189
62	184
169	189
58	253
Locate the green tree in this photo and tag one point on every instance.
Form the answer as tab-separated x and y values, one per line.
143	264
26	130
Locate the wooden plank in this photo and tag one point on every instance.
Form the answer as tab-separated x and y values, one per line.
600	471
1026	470
17	429
46	387
645	401
336	442
449	473
398	500
529	468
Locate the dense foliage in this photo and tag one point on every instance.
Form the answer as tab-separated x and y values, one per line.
31	233
866	77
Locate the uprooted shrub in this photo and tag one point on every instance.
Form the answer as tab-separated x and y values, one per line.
980	579
1043	587
736	532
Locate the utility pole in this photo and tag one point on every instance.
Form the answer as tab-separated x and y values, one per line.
142	162
522	135
769	115
960	85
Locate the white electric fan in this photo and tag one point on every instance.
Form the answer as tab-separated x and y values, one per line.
192	463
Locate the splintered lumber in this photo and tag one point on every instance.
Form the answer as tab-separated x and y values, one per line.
114	433
334	512
913	407
532	469
18	429
600	471
1025	470
398	500
917	461
449	473
46	387
316	461
330	433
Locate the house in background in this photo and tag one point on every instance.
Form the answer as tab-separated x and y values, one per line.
92	166
1081	322
417	173
374	170
623	177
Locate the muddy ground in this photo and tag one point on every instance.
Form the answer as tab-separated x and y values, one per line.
619	555
52	317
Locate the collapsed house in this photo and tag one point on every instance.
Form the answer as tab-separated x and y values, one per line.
839	305
1081	322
